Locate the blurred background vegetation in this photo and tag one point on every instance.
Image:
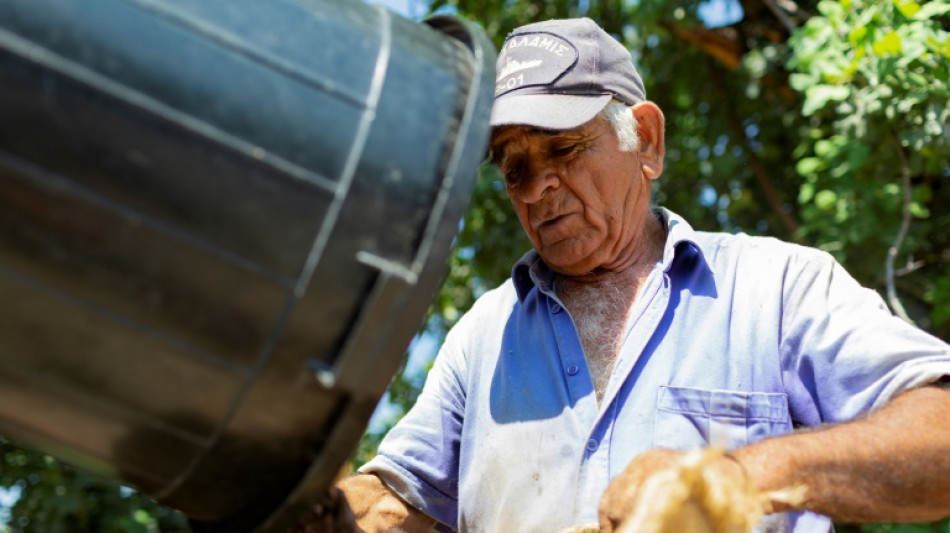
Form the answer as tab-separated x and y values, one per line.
824	123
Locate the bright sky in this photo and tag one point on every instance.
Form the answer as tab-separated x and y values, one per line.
412	9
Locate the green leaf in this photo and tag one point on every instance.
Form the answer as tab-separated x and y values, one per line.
857	35
830	9
908	9
917	79
889	44
932	9
826	149
919	211
817	96
808	165
825	200
801	82
805	193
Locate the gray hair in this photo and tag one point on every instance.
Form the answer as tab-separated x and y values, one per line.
620	117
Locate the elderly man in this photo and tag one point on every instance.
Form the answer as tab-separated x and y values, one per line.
626	334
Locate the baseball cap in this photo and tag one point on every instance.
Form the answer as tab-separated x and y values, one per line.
558	74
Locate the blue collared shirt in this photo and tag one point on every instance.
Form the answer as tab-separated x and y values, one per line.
732	339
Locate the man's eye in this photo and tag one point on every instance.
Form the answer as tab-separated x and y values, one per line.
512	177
565	150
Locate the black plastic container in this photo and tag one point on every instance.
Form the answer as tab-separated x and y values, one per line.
221	222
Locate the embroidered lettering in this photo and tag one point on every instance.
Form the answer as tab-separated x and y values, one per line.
512	82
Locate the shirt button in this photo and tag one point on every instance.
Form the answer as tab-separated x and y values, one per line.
591	445
572	370
556	308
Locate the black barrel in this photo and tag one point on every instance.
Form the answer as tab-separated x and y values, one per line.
221	223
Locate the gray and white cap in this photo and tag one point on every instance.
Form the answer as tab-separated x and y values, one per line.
558	74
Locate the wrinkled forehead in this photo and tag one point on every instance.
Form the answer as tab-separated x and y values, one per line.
505	137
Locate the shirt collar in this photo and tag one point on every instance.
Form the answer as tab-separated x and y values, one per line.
679	232
530	271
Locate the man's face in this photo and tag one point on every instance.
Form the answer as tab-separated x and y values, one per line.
578	197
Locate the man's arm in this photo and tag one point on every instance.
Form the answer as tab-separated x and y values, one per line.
891	466
376	508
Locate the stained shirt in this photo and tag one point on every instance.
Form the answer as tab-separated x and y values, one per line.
733	339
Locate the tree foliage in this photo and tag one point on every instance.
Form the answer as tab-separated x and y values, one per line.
874	145
824	123
57	498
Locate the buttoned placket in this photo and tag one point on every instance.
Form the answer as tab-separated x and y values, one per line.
647	313
594	469
580	386
640	328
573	363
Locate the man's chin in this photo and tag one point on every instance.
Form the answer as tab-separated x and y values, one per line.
570	266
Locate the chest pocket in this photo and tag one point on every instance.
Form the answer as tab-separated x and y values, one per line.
688	418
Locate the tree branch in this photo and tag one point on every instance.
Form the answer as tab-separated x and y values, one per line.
892	252
721	43
781	15
758	167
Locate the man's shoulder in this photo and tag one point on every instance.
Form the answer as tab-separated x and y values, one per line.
718	247
494	303
484	323
732	247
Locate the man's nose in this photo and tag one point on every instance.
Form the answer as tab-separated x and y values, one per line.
537	182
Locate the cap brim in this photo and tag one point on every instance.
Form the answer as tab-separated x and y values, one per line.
548	111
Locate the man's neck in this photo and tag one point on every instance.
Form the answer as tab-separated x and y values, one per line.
600	303
635	261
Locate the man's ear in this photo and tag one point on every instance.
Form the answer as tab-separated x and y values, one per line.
652	142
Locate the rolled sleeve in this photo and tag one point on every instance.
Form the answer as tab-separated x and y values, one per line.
844	353
419	457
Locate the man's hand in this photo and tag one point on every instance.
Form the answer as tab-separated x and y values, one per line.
364	503
665	491
621	495
332	515
890	466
